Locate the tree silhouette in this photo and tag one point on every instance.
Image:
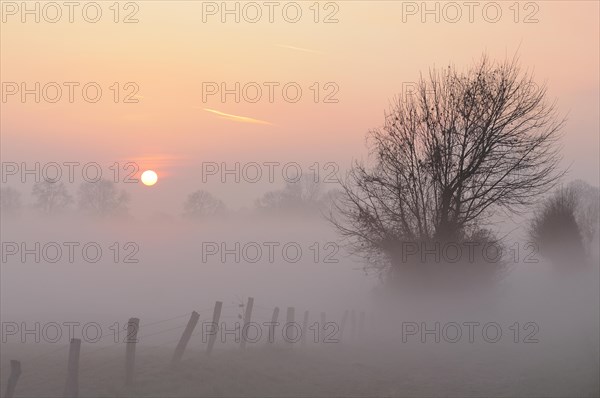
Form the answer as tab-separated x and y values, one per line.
102	198
10	201
463	146
554	228
201	204
51	197
307	195
587	211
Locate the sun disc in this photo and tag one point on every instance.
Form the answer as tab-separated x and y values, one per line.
149	178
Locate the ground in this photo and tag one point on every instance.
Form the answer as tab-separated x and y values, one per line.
319	371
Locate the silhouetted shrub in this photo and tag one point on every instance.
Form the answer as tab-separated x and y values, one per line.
472	262
554	227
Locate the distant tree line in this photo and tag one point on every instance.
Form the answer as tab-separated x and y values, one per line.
307	196
101	198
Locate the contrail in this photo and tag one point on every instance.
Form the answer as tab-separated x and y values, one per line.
236	118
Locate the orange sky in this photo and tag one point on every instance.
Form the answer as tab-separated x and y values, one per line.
368	54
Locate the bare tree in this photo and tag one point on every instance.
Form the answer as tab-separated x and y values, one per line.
201	204
272	200
463	146
51	197
304	195
10	201
102	198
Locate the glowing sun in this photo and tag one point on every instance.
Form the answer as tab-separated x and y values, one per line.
149	178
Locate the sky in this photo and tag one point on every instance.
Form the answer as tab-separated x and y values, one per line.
236	98
357	62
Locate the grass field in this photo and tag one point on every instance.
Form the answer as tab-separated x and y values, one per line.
320	370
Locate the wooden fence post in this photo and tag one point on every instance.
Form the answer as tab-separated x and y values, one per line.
289	320
185	338
247	319
305	328
216	316
130	342
72	384
15	373
271	339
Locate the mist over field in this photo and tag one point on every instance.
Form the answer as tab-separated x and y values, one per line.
397	351
283	199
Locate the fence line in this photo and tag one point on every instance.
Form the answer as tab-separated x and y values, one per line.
71	386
